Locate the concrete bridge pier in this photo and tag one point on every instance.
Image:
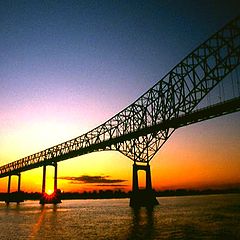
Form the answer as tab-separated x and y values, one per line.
55	196
15	196
142	197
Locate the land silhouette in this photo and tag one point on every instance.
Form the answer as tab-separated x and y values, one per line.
108	194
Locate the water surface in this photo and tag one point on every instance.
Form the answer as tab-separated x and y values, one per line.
189	217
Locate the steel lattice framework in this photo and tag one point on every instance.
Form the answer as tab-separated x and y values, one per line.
136	131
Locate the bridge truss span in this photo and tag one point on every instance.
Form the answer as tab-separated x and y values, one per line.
136	131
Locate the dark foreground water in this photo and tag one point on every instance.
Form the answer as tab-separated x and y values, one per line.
192	217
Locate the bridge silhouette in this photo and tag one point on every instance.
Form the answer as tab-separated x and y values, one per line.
140	130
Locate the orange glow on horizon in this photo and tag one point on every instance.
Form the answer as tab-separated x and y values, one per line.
186	160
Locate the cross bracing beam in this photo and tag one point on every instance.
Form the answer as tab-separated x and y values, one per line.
175	95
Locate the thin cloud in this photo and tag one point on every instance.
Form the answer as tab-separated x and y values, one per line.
92	179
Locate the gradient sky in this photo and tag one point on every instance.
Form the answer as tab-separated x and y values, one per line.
68	66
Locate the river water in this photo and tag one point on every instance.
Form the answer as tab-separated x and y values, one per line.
189	217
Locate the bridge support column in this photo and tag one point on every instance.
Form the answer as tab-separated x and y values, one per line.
55	178
9	184
44	179
19	182
142	197
55	196
14	196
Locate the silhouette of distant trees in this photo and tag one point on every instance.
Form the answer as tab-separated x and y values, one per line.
191	192
101	194
107	194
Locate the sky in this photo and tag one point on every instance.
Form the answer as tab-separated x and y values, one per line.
68	66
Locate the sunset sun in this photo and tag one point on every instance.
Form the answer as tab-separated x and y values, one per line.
49	191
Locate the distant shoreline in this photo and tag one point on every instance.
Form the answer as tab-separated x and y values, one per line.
110	194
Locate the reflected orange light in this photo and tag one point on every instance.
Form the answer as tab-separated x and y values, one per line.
37	226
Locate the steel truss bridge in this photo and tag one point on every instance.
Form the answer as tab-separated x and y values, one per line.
140	130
